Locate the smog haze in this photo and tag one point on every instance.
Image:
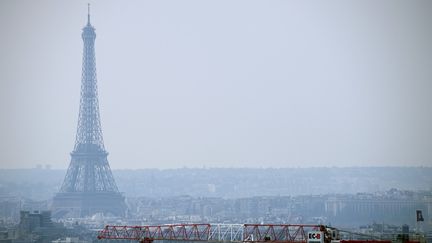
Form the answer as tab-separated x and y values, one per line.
221	83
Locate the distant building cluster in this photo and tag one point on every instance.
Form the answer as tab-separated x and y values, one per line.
394	206
386	211
38	227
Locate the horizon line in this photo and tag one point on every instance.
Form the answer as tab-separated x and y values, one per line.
44	167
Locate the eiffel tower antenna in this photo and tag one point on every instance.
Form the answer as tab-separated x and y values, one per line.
88	13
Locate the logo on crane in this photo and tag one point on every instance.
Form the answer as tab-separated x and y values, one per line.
315	237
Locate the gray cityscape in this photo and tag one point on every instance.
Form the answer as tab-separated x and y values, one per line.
321	148
362	199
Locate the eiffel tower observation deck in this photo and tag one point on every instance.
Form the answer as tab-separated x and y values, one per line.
88	187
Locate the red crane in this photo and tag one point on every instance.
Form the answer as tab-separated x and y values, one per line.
237	233
277	233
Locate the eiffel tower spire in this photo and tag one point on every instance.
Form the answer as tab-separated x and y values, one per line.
89	185
88	13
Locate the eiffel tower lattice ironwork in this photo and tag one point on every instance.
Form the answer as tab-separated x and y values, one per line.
89	185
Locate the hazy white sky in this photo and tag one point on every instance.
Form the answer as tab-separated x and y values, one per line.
221	83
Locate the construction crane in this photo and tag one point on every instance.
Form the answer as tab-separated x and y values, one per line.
236	233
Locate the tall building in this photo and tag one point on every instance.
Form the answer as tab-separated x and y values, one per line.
88	187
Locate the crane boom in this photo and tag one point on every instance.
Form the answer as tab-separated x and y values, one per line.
278	233
235	233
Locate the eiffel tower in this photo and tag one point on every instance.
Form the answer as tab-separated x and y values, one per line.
88	187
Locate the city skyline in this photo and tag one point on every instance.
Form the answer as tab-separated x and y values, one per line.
228	84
